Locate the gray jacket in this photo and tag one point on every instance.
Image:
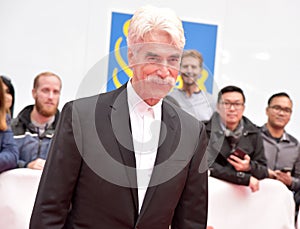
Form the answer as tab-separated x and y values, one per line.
284	153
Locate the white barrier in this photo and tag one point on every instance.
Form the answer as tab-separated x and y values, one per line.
230	206
18	188
235	206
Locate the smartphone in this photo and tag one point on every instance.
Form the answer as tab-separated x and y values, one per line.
239	153
286	169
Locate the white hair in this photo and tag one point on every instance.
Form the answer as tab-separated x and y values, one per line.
149	18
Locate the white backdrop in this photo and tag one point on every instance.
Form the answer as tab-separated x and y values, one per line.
258	44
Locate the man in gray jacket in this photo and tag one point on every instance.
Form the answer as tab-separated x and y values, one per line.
282	150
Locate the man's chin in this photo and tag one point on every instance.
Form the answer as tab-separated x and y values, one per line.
158	94
48	112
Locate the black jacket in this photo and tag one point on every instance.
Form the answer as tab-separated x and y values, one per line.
91	167
219	149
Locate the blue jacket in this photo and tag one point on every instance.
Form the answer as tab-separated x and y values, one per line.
31	144
8	151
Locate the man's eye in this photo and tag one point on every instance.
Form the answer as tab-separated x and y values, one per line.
153	59
174	60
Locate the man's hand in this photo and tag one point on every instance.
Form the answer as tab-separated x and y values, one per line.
272	174
284	177
36	164
240	165
254	184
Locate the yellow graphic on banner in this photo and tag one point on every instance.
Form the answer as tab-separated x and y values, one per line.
200	81
123	65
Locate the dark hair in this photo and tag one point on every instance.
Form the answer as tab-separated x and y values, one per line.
280	94
3	124
11	89
230	88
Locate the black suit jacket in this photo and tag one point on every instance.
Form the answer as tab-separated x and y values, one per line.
89	180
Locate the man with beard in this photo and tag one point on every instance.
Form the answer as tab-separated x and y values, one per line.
34	126
191	98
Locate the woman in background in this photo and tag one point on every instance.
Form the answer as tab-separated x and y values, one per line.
8	149
9	95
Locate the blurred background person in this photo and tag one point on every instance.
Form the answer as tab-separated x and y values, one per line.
35	125
190	97
8	148
9	94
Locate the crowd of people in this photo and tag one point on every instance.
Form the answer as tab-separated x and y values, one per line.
27	137
199	136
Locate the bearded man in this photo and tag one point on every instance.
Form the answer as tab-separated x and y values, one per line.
34	126
190	97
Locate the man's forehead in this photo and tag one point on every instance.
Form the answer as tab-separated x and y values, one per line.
232	96
157	48
48	81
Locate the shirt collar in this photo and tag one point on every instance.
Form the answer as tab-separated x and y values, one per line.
137	104
284	137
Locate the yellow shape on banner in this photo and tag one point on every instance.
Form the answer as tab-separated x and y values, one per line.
200	81
120	60
115	78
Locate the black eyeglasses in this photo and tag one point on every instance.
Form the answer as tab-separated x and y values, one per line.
278	108
236	106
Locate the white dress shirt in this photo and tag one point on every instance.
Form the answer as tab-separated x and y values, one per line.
145	126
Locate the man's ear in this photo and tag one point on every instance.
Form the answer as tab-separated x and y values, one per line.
130	57
218	107
33	92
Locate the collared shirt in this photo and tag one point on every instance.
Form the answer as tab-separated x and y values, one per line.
283	153
145	126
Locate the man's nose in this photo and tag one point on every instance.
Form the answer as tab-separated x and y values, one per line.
50	95
189	69
163	71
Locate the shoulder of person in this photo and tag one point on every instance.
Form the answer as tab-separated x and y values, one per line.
292	138
250	126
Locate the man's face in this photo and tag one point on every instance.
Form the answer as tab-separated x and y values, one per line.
155	64
47	95
190	70
231	109
279	112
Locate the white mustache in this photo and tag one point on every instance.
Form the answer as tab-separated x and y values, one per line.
158	80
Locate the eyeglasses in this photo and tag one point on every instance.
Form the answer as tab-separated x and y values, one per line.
278	108
236	106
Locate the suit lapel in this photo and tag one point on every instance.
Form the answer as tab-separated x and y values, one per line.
120	121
